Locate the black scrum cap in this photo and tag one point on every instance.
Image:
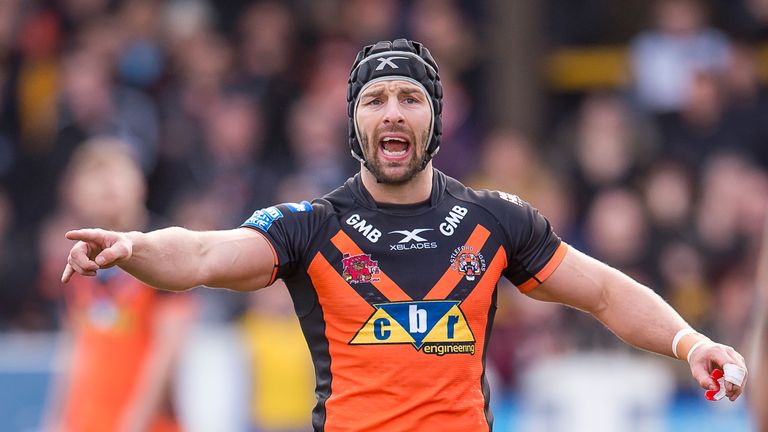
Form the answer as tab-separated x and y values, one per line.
400	58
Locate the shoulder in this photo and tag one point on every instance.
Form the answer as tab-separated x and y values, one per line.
496	202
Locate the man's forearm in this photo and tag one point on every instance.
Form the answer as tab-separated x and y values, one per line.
177	259
632	311
638	315
168	259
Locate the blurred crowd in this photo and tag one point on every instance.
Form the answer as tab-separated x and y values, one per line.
227	107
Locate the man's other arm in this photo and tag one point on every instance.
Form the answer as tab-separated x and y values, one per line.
176	259
632	311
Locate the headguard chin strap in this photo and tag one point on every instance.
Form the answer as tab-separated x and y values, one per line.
399	58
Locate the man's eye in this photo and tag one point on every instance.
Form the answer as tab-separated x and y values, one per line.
410	100
374	102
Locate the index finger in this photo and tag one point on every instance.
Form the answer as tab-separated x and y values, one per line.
67	275
86	234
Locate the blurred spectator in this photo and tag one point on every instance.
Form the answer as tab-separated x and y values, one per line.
282	376
141	60
604	146
669	198
724	194
747	19
525	332
270	65
735	292
665	58
39	39
747	101
679	271
701	129
125	337
510	163
317	141
617	231
444	27
686	283
202	61
91	106
231	170
366	22
462	137
19	308
80	12
758	337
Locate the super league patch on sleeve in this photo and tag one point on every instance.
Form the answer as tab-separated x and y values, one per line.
263	218
303	206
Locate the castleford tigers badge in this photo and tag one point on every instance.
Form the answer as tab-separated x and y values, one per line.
468	261
359	268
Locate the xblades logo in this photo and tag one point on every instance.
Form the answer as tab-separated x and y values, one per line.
387	61
411	235
433	327
412	240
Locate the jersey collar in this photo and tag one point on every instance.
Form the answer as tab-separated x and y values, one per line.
363	198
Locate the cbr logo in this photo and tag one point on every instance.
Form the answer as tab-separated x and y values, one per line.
359	268
433	327
468	262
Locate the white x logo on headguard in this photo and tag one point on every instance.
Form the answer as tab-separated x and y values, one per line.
387	61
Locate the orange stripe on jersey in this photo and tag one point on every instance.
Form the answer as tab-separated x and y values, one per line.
385	285
325	278
489	279
478	302
547	271
451	278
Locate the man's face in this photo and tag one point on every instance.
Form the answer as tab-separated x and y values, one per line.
393	120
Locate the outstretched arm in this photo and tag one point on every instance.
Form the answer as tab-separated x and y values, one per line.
634	313
176	259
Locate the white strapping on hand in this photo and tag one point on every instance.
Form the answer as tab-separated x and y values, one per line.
734	374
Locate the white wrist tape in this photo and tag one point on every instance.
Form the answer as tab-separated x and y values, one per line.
734	374
693	348
678	337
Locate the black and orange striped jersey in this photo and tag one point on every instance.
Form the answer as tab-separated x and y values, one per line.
397	301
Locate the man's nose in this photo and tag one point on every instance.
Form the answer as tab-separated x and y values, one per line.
392	112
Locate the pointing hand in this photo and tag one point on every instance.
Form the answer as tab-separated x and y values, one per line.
95	249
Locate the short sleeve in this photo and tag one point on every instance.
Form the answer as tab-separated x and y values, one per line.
535	250
288	227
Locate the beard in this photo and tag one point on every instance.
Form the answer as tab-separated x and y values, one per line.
378	167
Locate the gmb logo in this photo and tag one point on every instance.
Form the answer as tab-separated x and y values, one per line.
433	327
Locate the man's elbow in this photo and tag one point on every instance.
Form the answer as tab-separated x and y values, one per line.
602	297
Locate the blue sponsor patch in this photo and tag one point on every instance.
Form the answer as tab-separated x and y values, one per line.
303	206
263	218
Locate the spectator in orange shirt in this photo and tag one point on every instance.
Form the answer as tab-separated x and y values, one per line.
125	337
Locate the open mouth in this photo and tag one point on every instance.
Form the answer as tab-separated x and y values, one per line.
395	146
